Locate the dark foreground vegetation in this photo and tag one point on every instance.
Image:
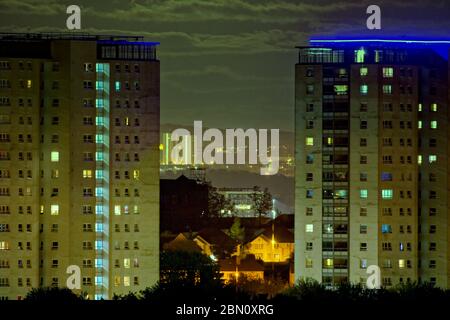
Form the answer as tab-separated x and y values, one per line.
188	279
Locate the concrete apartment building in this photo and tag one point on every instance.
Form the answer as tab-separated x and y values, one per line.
79	163
372	161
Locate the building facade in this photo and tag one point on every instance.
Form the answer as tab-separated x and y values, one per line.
79	165
372	166
272	244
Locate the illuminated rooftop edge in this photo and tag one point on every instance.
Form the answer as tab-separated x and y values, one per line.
404	41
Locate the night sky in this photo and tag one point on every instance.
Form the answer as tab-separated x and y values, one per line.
229	63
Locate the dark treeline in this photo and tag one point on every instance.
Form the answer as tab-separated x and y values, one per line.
194	279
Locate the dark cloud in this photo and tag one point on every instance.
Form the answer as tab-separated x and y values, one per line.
228	62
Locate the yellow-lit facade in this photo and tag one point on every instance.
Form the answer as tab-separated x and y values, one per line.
81	152
269	250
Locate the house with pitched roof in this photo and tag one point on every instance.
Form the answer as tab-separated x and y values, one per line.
274	243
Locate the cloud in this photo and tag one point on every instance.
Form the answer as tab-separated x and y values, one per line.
32	7
227	60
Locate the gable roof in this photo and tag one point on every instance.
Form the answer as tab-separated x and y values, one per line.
281	234
182	243
216	237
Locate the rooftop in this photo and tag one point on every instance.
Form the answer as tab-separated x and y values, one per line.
385	41
400	50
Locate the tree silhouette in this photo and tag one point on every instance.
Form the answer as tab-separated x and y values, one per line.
52	294
262	201
237	231
217	203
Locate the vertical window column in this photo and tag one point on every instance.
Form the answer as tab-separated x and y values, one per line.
102	181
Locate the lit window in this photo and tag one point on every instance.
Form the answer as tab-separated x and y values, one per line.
401	263
98	174
117	86
98	263
126	281
388	72
328	263
419	159
387	89
117	210
99	103
54	156
340	194
434	107
432	158
98	67
98	227
87	173
126	263
330	141
99	85
29	83
363	193
387	193
419	108
99	156
98	209
363	264
363	71
54	209
309	228
98	280
341	90
309	141
99	138
364	89
4	245
99	192
386	228
359	55
419	124
99	121
433	124
98	245
136	174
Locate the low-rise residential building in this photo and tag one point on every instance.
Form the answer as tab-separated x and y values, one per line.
235	268
272	244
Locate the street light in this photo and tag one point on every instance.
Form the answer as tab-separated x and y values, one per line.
274	212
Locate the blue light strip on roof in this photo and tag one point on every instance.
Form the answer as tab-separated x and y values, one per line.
379	40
